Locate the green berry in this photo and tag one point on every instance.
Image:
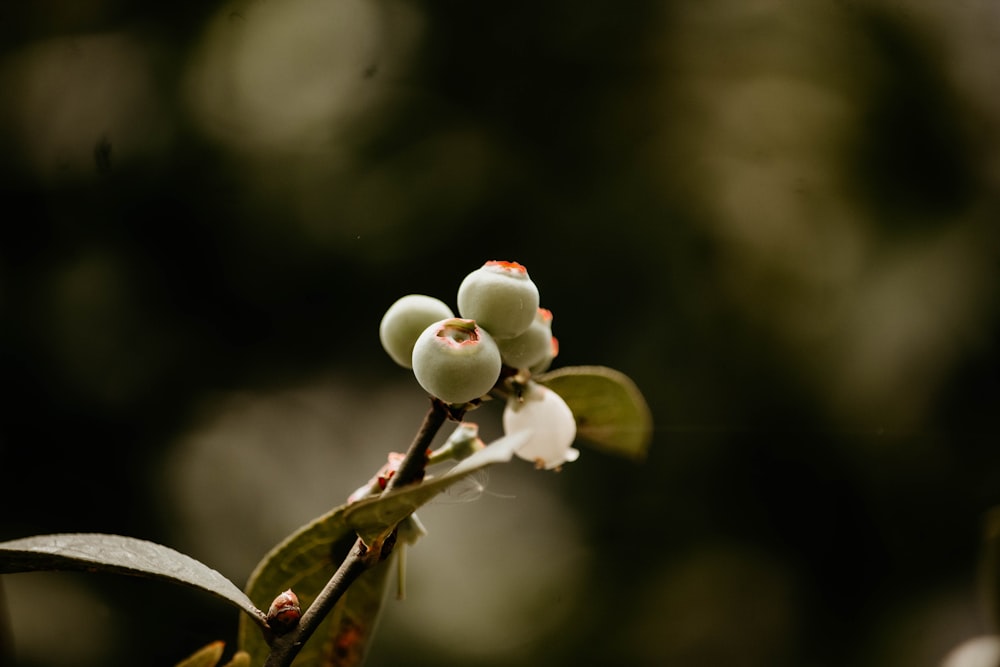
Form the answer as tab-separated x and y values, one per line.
500	297
456	360
547	360
530	348
404	322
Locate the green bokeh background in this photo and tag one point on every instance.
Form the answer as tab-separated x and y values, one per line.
780	219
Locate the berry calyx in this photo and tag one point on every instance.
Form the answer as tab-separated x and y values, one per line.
501	297
405	320
456	360
545	414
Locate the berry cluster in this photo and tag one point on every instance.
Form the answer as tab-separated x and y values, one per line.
461	359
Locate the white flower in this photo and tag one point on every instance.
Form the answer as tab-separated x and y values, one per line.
551	422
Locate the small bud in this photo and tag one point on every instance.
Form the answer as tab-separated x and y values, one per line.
463	442
284	612
379	480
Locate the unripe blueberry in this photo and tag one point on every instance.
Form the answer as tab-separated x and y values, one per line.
404	322
546	361
500	297
531	347
456	360
551	422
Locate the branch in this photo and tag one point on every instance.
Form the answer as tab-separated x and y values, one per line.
360	558
411	470
286	647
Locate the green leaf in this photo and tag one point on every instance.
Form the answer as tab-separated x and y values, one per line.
351	625
207	656
98	552
240	659
210	654
304	562
610	411
307	559
371	516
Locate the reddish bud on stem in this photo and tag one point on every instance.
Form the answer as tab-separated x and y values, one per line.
284	612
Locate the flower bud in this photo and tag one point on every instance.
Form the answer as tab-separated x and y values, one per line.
463	442
379	480
284	612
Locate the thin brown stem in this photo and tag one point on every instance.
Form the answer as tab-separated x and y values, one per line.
411	470
286	647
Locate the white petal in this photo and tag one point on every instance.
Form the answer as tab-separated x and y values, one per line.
552	425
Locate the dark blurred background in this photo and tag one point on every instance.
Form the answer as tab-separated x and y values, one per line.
779	218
